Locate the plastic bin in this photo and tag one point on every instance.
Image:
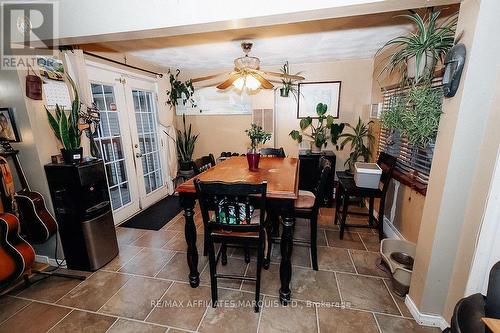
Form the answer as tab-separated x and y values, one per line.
367	175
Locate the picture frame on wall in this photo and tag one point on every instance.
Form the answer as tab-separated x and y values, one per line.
376	110
312	93
8	128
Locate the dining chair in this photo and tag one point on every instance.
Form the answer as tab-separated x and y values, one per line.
234	215
307	207
204	163
347	189
272	152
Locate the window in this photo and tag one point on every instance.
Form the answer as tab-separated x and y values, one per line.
264	118
414	164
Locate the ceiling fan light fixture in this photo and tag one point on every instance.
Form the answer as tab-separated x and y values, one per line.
239	83
252	83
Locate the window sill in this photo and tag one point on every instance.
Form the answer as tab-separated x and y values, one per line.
407	180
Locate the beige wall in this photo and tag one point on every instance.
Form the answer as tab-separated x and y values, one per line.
226	133
466	148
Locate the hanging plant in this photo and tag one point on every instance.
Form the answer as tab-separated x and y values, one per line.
180	90
415	114
288	85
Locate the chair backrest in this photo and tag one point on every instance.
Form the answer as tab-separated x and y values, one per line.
231	205
204	163
492	309
273	152
387	163
320	190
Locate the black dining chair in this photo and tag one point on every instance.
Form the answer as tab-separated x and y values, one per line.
347	189
272	152
307	206
234	215
204	163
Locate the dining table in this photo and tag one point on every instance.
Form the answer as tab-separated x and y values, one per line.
281	175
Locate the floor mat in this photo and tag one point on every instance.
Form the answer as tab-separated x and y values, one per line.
155	216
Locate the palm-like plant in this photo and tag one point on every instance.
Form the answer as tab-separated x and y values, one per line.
360	139
430	40
65	127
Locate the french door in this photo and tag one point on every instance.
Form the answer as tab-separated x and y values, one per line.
128	139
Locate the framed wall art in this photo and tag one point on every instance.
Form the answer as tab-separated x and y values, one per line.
312	93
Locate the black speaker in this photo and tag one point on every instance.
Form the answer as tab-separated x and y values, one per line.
83	211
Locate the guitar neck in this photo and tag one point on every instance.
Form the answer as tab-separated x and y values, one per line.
20	173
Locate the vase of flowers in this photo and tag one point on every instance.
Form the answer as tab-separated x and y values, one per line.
257	136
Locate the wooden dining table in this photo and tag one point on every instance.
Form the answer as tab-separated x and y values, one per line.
281	175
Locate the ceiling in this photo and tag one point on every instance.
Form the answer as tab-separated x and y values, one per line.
355	37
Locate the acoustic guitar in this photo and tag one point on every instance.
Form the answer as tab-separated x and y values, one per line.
36	221
16	255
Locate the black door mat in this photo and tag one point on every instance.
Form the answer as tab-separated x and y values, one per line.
155	216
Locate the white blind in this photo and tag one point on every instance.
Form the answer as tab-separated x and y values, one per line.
264	118
412	161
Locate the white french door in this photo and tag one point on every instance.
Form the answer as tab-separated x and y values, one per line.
128	139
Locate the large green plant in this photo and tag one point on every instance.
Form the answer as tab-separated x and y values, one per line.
322	131
185	142
65	127
359	140
418	116
180	90
257	136
430	39
288	85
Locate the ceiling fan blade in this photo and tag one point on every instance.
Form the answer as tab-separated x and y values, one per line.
286	76
263	82
232	77
208	77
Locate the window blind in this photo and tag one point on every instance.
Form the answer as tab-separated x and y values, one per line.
414	163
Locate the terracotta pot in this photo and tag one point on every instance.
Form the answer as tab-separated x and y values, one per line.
253	161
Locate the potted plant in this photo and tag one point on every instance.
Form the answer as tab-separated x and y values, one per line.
185	146
321	132
419	52
180	90
288	85
359	140
257	136
66	129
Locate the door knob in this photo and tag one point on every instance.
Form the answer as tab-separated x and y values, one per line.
138	155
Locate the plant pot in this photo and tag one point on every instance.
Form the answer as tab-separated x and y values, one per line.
425	67
284	92
72	156
315	149
185	165
253	161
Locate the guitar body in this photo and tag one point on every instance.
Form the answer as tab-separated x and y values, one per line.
37	222
16	255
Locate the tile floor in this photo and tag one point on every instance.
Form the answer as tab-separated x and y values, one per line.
348	294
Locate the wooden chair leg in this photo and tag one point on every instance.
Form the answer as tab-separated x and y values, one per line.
247	255
213	272
260	259
314	238
381	219
205	244
370	210
338	198
268	248
223	255
345	206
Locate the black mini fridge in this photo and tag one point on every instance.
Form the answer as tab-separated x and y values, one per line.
83	211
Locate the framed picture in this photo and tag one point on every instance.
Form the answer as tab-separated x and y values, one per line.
312	93
375	111
8	129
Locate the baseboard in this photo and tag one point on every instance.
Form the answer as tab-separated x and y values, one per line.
47	260
423	318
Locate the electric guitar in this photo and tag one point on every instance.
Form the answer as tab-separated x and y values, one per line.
16	255
37	223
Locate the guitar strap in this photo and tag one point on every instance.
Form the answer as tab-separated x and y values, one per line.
8	182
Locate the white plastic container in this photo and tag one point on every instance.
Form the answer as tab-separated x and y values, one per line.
367	175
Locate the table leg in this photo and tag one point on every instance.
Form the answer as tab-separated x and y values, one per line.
286	254
187	203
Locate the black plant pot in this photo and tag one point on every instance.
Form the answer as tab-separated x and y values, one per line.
185	165
284	92
72	156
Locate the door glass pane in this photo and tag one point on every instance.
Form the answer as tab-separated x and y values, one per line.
145	116
110	142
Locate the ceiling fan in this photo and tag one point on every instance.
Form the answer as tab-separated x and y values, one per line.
247	73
